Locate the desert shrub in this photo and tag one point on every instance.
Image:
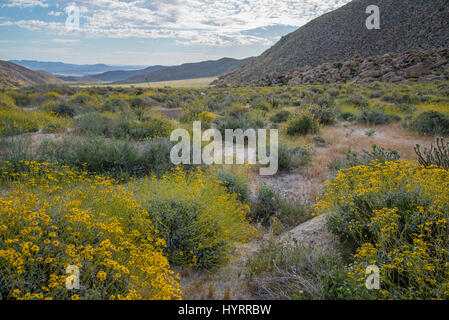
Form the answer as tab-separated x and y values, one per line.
92	123
373	117
302	124
196	216
115	104
15	121
53	127
150	128
352	159
265	205
434	156
52	217
323	113
118	158
394	215
155	156
347	116
289	158
82	99
234	185
243	122
121	125
292	213
284	158
319	140
22	99
358	101
64	109
7	101
431	123
136	102
290	272
280	116
15	149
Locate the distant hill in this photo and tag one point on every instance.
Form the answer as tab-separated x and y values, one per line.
341	34
204	69
67	69
111	76
15	76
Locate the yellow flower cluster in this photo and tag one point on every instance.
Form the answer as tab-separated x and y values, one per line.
396	213
52	217
214	219
14	121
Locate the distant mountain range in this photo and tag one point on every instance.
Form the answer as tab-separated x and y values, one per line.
73	73
342	34
204	69
15	76
67	69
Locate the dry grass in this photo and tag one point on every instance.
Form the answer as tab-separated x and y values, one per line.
187	83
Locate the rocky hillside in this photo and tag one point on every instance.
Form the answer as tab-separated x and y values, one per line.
204	69
15	76
342	34
418	65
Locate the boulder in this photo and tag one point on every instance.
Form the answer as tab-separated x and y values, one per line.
418	70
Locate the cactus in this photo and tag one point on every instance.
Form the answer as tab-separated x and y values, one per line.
438	155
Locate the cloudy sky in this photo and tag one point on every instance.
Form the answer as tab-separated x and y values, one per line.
149	32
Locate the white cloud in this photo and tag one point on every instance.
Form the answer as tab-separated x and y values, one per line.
25	3
66	41
190	22
55	13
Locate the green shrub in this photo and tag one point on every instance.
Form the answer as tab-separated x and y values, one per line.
198	219
319	140
302	124
377	154
347	116
281	116
117	158
64	109
14	149
242	122
324	113
431	123
93	124
373	117
182	225
155	156
235	185
265	205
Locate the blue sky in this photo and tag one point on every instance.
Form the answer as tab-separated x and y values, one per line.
150	32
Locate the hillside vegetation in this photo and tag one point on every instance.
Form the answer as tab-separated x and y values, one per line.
430	65
15	76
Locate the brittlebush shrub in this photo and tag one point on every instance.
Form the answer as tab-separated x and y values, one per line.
14	121
395	214
52	217
302	124
197	217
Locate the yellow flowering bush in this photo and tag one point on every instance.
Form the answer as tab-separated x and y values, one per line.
396	215
55	220
197	217
14	121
